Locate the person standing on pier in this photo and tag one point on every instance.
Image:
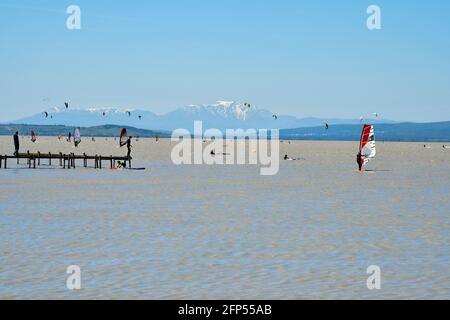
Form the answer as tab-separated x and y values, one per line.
16	143
129	147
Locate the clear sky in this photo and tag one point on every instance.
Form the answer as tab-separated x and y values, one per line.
302	58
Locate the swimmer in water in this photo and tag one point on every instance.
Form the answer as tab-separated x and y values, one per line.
287	158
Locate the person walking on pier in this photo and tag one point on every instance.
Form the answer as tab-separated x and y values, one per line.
16	143
129	147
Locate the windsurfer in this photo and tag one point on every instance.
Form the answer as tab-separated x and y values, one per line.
367	148
16	143
359	160
77	137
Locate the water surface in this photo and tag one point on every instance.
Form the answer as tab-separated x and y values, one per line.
225	232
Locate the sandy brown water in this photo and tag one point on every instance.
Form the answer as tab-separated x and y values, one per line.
226	232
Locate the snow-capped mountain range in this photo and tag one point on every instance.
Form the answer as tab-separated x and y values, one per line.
221	115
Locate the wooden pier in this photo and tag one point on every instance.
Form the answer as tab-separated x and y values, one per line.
65	161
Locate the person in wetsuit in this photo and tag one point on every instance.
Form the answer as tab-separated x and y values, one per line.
359	160
129	147
16	143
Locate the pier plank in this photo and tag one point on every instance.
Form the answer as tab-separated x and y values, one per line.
71	158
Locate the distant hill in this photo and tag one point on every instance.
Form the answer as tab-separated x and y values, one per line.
426	132
99	131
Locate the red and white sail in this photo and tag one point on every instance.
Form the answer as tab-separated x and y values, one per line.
367	146
123	137
33	136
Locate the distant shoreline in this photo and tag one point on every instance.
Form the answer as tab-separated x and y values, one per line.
282	141
438	132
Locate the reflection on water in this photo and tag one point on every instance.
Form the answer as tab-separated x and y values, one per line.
226	232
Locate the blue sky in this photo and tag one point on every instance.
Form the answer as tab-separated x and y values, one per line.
303	58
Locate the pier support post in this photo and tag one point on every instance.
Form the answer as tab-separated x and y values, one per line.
34	162
1	160
111	162
60	159
6	159
39	158
50	159
100	162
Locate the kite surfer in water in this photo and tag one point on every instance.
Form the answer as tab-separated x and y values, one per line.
16	143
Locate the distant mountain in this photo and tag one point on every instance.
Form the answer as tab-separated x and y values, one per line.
426	132
221	115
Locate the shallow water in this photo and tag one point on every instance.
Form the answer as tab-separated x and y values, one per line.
225	232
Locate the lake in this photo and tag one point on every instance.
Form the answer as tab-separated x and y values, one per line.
226	232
